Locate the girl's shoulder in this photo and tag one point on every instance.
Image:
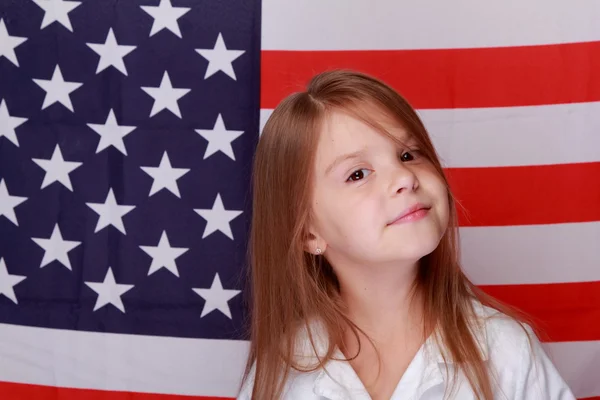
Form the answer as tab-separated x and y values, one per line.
501	329
523	366
311	344
501	336
299	385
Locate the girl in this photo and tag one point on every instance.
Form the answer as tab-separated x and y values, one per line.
357	291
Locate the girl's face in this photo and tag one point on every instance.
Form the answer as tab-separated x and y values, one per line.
363	183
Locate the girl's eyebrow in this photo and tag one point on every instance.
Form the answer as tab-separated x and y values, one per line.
342	158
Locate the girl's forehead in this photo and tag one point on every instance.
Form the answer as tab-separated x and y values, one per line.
343	125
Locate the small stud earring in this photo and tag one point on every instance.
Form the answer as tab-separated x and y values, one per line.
318	250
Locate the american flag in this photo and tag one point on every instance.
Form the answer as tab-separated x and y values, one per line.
127	130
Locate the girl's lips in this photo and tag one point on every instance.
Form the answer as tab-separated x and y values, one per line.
412	213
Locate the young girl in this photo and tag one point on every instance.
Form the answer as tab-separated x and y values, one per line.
356	287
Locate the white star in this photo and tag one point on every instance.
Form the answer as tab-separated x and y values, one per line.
8	44
165	96
109	291
7	281
9	123
111	53
220	59
218	218
57	10
8	203
165	176
57	169
56	248
57	89
165	16
219	139
216	297
163	255
111	134
110	213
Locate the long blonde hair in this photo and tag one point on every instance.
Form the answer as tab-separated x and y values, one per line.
288	286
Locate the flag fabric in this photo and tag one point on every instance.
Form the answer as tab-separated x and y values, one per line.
127	130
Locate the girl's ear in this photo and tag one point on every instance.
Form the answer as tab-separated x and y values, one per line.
314	244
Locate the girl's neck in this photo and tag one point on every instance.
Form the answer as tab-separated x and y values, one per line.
380	301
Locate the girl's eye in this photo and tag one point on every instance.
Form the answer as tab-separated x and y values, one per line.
358	175
409	156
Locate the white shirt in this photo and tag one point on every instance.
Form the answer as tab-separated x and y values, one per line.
522	372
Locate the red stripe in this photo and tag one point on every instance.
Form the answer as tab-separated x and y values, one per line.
451	78
20	391
563	311
544	194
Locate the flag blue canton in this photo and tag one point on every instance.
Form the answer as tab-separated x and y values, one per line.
128	130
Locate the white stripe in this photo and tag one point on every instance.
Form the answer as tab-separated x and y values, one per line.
166	365
531	253
385	24
578	364
512	136
137	363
